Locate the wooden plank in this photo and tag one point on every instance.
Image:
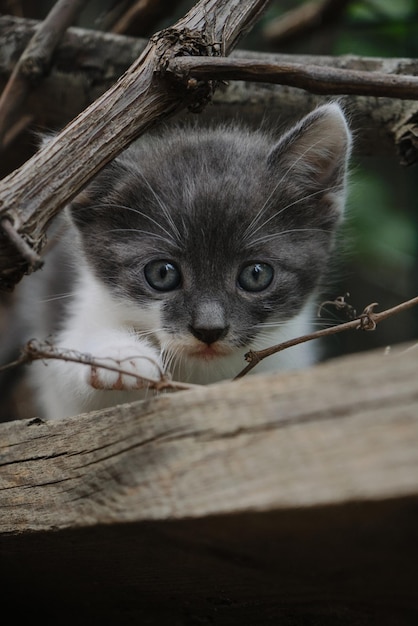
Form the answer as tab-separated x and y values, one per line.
282	499
346	430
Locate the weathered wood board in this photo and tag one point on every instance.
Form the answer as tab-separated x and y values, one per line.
285	499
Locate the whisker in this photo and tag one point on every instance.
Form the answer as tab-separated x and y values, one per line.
286	325
142	214
56	297
285	208
169	357
141	232
162	206
284	176
173	357
287	232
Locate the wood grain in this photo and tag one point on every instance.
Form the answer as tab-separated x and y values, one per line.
344	431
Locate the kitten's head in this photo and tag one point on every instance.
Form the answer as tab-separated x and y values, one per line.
217	233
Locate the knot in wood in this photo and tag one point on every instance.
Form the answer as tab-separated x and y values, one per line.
33	69
252	357
175	43
183	42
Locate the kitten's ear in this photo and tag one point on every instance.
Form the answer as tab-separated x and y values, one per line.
315	152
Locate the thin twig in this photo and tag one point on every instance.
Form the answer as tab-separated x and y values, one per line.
313	78
368	320
35	59
40	351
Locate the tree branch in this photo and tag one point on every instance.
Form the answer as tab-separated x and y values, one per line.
368	320
32	195
39	351
35	60
76	80
312	78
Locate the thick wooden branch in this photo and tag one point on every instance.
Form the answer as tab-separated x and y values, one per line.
284	498
313	78
34	194
76	80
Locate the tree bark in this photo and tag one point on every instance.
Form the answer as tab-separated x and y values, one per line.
31	196
76	80
310	77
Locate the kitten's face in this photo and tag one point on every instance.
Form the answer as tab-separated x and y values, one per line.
211	238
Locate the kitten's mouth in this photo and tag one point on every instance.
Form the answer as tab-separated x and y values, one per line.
208	352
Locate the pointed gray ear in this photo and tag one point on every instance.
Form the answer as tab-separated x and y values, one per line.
314	154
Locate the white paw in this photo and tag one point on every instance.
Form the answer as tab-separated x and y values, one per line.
127	366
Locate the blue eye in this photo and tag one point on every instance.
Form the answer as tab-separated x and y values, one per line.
162	275
255	277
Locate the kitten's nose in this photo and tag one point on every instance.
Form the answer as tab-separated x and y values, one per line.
209	335
209	321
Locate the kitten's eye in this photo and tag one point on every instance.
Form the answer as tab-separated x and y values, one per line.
162	275
255	277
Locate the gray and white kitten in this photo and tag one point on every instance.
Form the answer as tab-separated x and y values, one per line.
186	251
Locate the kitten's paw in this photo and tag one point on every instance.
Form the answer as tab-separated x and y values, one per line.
138	365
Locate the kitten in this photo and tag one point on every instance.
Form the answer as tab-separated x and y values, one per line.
186	251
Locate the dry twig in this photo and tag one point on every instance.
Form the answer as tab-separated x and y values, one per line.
41	351
367	320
